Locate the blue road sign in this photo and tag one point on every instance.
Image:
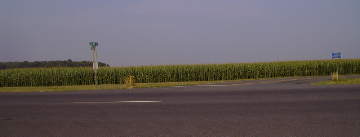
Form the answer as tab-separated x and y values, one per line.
336	55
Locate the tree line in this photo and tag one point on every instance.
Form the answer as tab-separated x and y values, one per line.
57	63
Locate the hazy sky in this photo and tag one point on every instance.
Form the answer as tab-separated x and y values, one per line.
144	32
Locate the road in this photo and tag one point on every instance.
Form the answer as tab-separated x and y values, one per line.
272	108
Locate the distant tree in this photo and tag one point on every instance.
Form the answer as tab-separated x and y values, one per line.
36	64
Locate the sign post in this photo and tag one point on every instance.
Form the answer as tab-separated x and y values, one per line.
93	46
335	75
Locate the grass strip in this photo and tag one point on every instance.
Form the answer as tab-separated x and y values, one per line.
101	87
339	82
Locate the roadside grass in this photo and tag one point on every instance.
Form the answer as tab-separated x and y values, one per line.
102	87
339	82
153	85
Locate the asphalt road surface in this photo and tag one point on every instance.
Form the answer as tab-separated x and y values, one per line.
271	108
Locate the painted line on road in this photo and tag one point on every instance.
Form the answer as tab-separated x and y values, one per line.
179	86
242	84
277	81
212	85
114	102
139	101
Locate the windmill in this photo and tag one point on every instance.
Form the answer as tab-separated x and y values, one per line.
93	46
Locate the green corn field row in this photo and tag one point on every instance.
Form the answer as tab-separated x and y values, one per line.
175	73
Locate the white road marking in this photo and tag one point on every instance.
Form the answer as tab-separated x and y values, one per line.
242	84
114	102
179	86
139	101
212	85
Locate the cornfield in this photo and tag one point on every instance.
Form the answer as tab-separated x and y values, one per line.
175	73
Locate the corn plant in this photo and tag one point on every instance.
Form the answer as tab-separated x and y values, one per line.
175	73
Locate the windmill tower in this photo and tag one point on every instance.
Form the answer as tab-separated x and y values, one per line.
93	46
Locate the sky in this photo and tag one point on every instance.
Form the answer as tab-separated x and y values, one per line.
153	32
